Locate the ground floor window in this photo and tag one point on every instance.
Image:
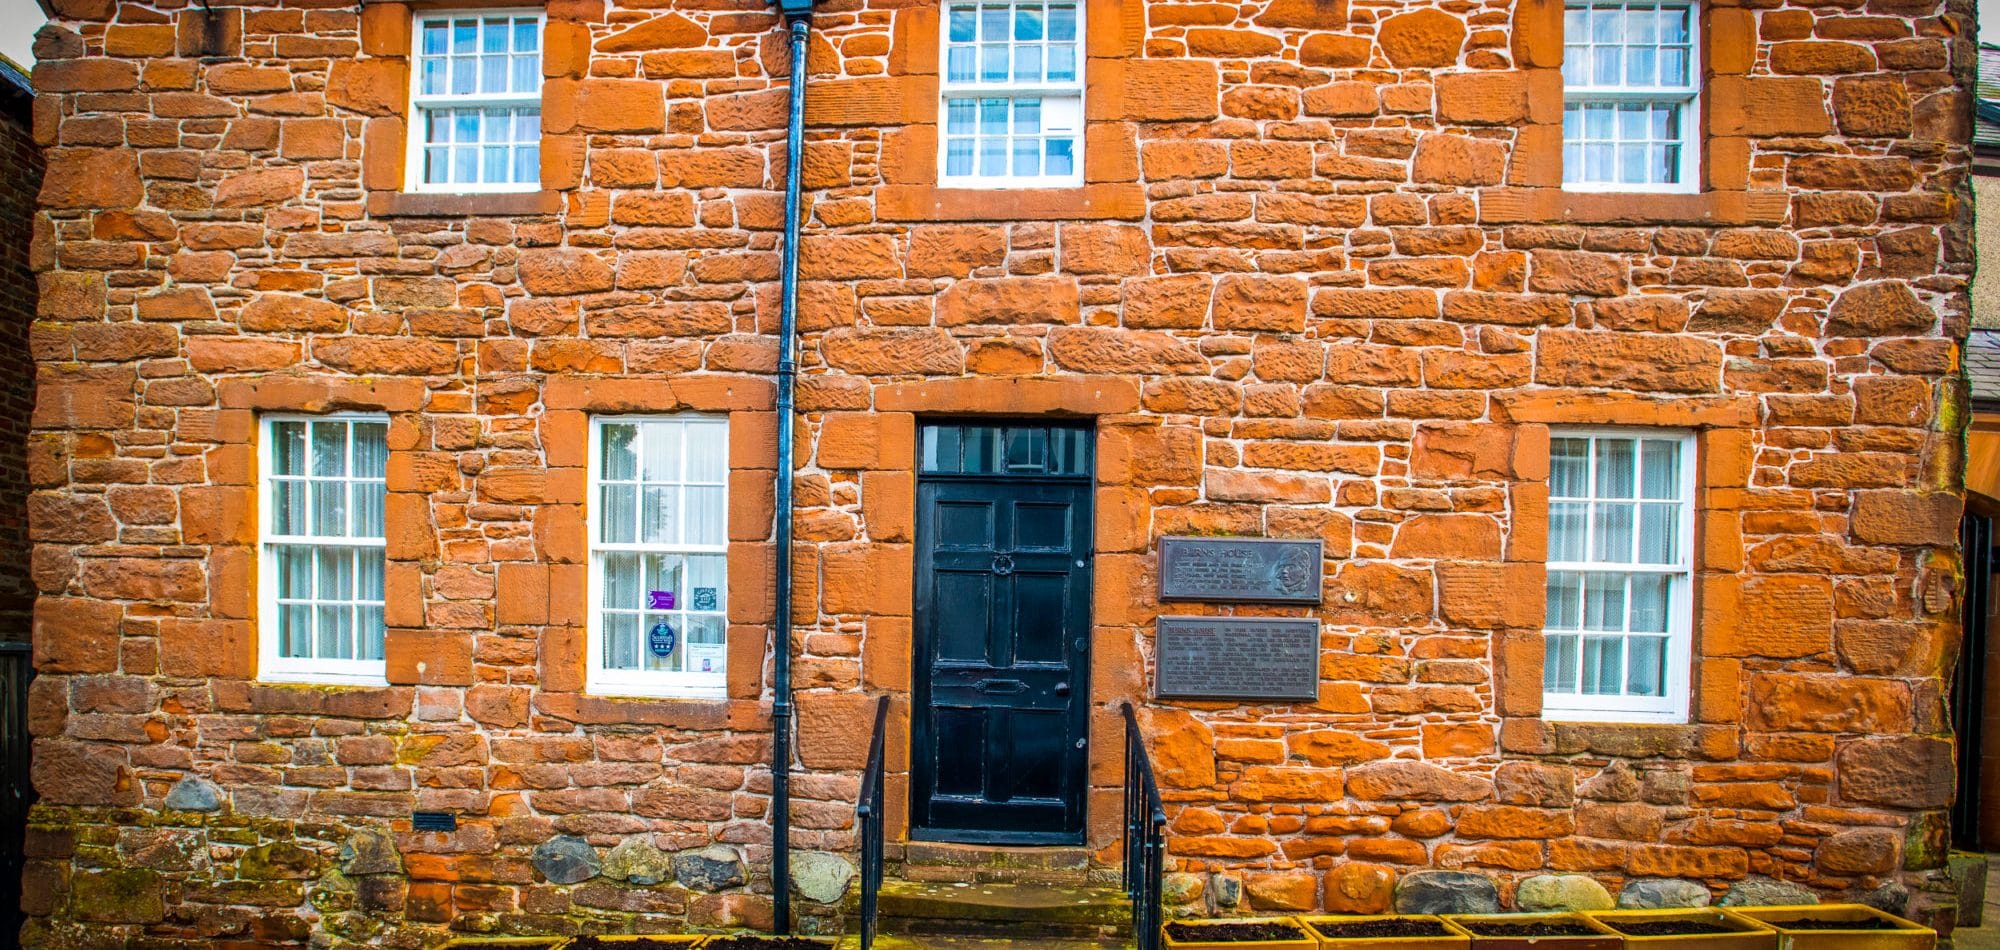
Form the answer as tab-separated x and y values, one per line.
323	489
659	506
1620	571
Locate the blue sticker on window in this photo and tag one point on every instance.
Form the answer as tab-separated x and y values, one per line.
661	639
704	599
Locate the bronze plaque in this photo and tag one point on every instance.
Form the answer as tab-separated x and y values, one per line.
1237	658
1245	570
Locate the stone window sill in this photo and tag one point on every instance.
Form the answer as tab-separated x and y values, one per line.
1110	200
412	204
1555	206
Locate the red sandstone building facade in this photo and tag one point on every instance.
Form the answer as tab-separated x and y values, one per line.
405	426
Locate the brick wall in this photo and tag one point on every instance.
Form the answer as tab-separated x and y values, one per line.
1320	282
20	178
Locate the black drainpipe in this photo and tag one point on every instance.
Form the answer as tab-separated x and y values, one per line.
798	21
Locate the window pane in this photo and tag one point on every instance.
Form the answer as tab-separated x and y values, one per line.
1062	157
708	453
1569	468
1603	658
329	509
958	157
1603	602
1568	530
660	515
621	641
464	77
1027	64
1615	464
371	449
661	445
708	516
1559	666
619	458
621	581
993	22
1565	601
1028	23
1660	463
295	631
464	36
618	523
993	63
993	157
707	589
1650	602
1645	666
1659	533
1062	62
435	37
1611	529
964	24
961	64
1062	21
527	35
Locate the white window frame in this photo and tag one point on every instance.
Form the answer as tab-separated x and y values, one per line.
948	91
603	681
271	665
1689	97
1672	706
417	129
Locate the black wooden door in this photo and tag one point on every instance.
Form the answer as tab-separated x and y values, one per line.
1000	735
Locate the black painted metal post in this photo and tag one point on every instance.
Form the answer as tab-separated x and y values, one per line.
799	23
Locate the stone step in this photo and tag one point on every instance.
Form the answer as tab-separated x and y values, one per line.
942	862
1021	911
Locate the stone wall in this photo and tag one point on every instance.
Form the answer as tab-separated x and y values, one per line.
1320	282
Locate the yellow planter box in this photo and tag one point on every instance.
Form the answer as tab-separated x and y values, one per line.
671	940
1491	932
1883	931
1744	934
1451	938
1304	941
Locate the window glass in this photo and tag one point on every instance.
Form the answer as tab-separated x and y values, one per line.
1013	94
325	487
659	559
1620	510
478	101
1629	94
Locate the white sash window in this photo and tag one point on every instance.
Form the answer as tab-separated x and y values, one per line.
1013	95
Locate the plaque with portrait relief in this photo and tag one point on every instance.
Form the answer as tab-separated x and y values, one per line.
1241	570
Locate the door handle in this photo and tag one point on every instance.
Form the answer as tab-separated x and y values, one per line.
1062	689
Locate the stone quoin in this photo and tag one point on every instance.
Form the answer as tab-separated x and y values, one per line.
1301	269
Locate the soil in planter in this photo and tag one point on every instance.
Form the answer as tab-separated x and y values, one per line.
1815	923
1381	928
1495	928
1234	933
754	942
1667	928
642	943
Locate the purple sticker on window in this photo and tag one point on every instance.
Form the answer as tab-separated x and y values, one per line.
660	600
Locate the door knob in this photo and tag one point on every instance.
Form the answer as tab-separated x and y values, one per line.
1062	689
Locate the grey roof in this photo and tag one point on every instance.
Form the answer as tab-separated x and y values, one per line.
1982	365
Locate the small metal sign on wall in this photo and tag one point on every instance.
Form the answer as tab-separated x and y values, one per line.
1242	570
1256	658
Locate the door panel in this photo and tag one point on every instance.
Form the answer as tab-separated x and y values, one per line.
1000	734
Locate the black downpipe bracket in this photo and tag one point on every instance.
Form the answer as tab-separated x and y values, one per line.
798	21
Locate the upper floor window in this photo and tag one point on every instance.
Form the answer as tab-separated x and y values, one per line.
1620	571
659	555
1013	95
476	102
324	488
1630	91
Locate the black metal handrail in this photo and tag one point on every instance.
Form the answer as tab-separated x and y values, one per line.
868	815
1145	837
